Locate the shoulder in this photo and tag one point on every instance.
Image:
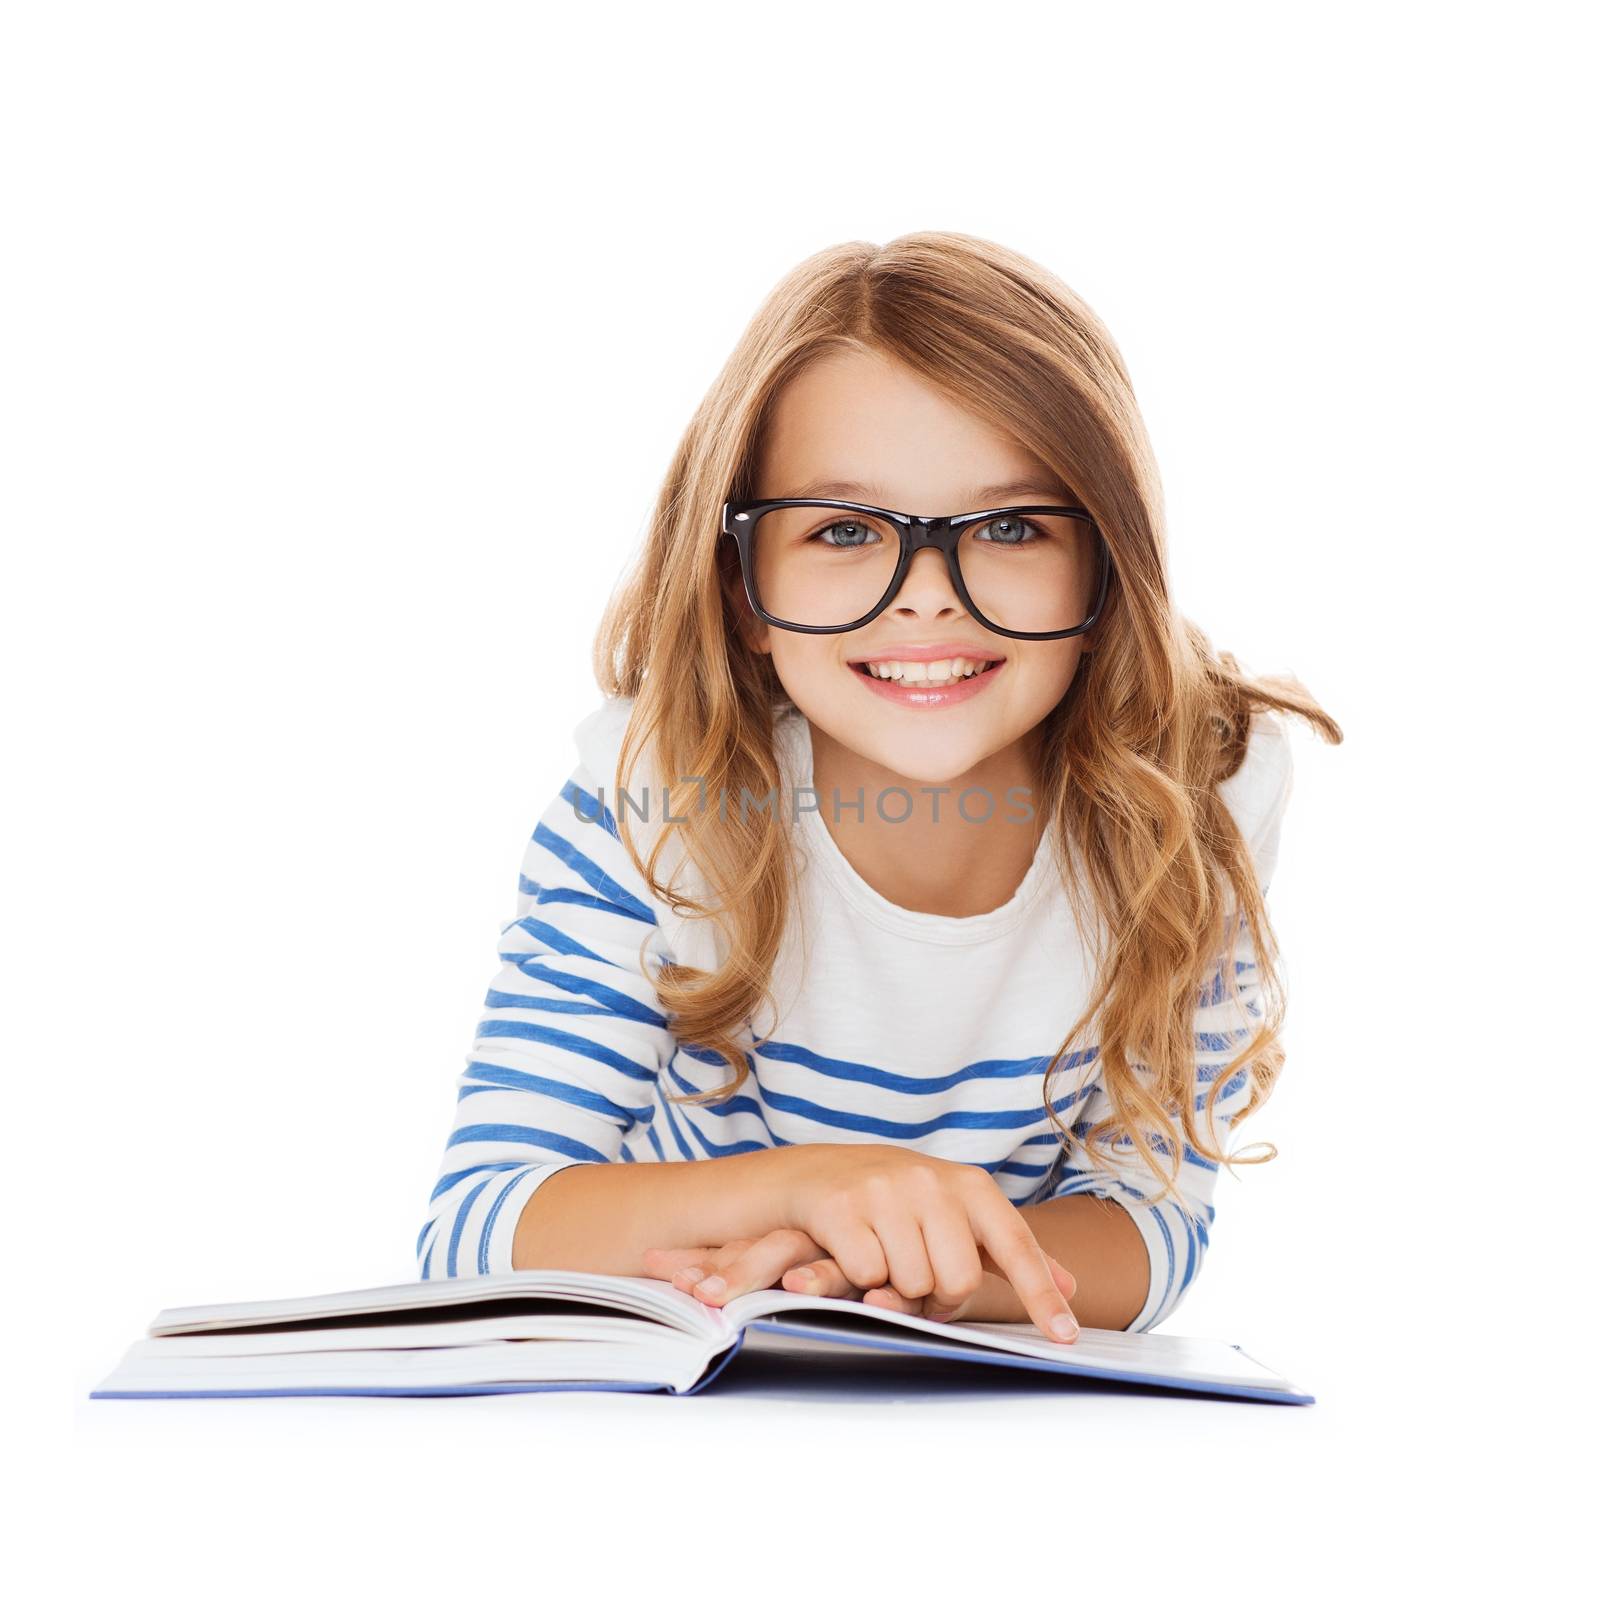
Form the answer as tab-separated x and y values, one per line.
1259	791
598	737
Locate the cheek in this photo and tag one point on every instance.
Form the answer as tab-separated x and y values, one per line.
808	667
1045	673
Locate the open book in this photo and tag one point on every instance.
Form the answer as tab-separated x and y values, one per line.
538	1329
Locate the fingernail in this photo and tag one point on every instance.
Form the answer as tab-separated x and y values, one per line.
712	1286
693	1274
805	1275
1063	1326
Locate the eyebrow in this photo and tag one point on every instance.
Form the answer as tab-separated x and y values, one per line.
987	495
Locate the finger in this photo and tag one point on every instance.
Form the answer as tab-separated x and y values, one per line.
725	1255
857	1249
893	1300
900	1234
1021	1259
824	1277
953	1254
684	1255
1064	1279
679	1256
759	1265
715	1261
681	1265
715	1265
709	1261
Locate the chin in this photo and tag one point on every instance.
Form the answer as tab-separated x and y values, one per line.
936	756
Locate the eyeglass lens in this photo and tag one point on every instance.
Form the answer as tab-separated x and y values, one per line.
822	567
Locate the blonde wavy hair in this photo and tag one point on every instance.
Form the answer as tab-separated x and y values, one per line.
1153	721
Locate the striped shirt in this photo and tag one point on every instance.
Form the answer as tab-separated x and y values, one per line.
893	1025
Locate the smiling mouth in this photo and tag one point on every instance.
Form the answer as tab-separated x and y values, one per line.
957	670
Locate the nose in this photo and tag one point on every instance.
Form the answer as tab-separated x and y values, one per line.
927	590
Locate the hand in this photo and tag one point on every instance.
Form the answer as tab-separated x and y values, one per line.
718	1275
993	1301
925	1228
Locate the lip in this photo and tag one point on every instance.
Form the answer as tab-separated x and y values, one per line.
945	651
929	696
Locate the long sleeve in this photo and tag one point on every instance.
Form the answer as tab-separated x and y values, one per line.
1177	1243
570	1042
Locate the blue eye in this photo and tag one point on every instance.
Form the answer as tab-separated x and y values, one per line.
848	543
1014	530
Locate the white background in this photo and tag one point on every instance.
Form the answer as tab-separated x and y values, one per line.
345	346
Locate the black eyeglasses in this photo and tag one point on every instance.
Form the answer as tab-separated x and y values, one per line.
1028	572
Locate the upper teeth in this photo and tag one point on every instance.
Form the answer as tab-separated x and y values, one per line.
929	671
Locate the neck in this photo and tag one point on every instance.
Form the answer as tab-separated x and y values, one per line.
936	860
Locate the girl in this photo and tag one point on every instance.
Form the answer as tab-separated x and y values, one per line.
900	931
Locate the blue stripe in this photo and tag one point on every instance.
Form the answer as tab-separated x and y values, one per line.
451	1179
860	1123
1212	993
744	1104
517	1133
1022	1169
1172	1257
1189	1226
727	1108
1205	1071
488	1222
1157	1144
570	1093
543	895
590	810
593	874
718	1108
576	1043
613	1000
498	999
1215	1043
562	944
677	1133
461	1222
885	1128
907	1083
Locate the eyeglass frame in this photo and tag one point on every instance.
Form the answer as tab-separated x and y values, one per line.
916	533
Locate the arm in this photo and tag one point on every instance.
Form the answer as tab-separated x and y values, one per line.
565	1062
1095	1216
1106	1254
603	1218
1099	1243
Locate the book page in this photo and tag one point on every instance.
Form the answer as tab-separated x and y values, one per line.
334	1333
462	1369
1169	1356
529	1292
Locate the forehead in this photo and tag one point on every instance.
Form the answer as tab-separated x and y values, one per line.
858	425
